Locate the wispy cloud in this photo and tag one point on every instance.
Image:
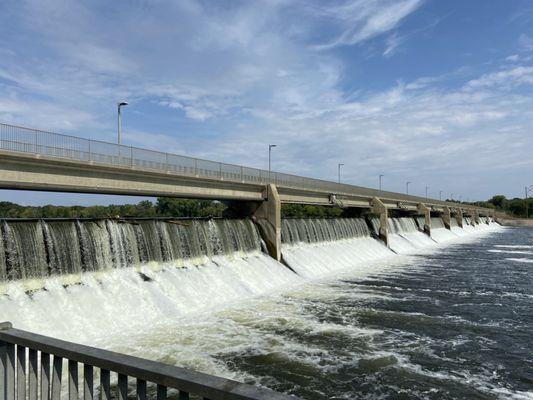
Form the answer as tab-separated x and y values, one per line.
365	19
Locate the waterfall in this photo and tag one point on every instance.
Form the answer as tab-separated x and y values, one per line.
317	230
406	235
136	274
439	232
437	222
402	225
25	252
40	249
317	247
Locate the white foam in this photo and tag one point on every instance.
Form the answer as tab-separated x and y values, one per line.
521	260
510	251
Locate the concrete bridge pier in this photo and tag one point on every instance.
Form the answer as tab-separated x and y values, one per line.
266	215
459	217
268	218
379	208
447	218
475	217
426	211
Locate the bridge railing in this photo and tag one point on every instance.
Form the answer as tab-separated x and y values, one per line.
32	368
25	140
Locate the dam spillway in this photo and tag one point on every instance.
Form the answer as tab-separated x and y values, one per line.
37	249
182	275
113	270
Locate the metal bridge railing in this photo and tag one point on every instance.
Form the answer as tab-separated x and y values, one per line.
25	140
31	368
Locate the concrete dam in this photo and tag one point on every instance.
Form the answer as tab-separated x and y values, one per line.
36	250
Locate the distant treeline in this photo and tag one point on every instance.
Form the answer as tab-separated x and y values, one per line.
169	207
516	207
163	207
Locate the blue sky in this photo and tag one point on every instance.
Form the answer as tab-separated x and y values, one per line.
439	93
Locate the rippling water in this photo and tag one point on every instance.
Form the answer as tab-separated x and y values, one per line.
452	323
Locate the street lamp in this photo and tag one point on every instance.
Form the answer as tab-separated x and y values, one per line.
440	195
121	104
270	146
270	157
407	187
528	191
427	187
380	180
339	171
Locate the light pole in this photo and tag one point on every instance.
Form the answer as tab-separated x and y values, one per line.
339	171
427	187
440	195
528	191
380	180
451	196
407	187
121	104
270	158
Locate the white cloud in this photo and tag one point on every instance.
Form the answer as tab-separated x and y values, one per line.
248	76
508	77
365	19
525	42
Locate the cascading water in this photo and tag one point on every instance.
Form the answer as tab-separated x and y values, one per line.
142	295
406	235
40	249
439	232
126	269
315	247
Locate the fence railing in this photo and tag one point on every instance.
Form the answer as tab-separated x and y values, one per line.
31	368
49	144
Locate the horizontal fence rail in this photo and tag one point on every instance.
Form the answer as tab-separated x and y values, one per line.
93	152
36	367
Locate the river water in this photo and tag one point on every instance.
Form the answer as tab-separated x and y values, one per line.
452	323
445	321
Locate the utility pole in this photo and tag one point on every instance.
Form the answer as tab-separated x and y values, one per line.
427	187
339	171
407	187
119	120
380	179
270	146
440	195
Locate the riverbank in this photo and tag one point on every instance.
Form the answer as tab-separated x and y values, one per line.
517	222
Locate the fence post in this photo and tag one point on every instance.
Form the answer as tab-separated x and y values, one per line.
7	367
242	177
131	156
220	171
196	167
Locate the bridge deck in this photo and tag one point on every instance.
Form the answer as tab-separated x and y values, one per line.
38	160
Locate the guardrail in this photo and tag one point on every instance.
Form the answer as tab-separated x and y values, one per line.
49	144
31	368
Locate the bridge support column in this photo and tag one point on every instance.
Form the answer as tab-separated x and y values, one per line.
447	218
379	208
268	218
475	217
459	217
423	209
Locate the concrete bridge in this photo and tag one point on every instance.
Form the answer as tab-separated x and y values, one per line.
37	160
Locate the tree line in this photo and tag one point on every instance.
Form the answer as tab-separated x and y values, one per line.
185	208
516	207
163	207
